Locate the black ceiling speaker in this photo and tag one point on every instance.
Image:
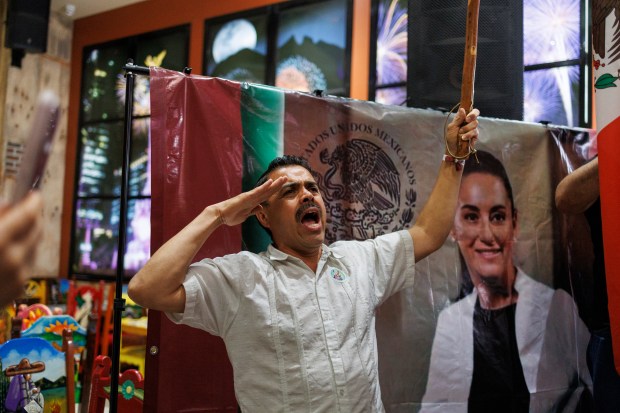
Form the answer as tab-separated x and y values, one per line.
26	25
436	50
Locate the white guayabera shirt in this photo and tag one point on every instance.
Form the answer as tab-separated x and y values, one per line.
298	340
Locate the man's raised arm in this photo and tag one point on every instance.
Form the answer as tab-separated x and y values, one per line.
435	221
578	190
159	284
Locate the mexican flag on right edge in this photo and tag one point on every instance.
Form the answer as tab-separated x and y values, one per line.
606	66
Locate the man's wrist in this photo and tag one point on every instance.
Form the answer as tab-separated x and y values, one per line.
213	215
220	218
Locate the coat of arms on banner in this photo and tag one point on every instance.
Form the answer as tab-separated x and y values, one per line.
366	178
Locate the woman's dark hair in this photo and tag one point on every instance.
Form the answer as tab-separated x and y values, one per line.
489	164
486	164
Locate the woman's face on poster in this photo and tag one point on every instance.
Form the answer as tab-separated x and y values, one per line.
484	227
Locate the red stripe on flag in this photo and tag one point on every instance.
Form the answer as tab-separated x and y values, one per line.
197	144
197	155
609	155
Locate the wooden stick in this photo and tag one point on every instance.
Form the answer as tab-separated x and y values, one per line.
469	63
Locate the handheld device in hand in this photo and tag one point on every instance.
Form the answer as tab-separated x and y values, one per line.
38	145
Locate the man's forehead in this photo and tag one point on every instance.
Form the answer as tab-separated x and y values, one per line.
294	173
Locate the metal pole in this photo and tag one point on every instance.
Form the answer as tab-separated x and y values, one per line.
142	70
119	302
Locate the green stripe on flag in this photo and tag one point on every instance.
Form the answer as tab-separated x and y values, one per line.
262	114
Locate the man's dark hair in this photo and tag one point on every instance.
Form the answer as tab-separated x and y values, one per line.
280	162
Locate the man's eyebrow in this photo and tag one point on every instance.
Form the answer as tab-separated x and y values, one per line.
290	185
295	185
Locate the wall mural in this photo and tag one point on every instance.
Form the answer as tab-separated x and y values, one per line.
310	47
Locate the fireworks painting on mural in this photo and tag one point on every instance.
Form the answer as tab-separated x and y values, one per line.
551	33
391	61
392	43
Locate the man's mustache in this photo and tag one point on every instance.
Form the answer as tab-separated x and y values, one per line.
304	207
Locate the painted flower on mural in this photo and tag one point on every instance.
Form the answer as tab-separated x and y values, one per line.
298	73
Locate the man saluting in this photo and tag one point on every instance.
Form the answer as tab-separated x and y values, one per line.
298	320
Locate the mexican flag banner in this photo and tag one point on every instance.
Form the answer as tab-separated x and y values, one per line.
376	166
606	67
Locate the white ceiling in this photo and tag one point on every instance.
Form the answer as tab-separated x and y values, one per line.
84	8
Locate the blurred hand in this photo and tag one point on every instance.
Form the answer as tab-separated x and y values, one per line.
21	226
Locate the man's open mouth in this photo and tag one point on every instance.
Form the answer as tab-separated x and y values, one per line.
309	214
310	217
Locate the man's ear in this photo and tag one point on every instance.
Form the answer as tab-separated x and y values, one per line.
262	217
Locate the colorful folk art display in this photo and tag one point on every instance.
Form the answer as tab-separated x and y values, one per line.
30	314
33	377
130	388
606	67
50	328
36	289
83	300
376	166
6	314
